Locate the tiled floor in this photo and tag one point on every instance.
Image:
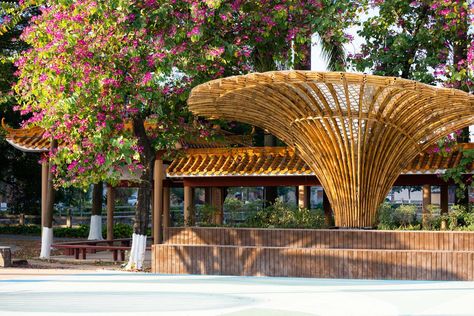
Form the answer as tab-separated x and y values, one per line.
122	293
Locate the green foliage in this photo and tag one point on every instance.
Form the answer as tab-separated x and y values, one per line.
385	215
236	211
458	173
82	231
232	207
393	217
405	214
206	214
19	172
123	231
459	218
21	229
404	218
71	232
430	219
282	215
399	41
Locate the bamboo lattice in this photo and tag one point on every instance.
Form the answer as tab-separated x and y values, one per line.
356	132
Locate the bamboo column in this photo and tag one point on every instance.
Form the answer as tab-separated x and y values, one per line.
356	132
110	212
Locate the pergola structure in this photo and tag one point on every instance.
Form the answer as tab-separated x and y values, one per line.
214	166
32	140
356	132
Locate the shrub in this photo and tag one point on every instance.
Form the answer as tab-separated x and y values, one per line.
71	232
237	211
123	231
21	230
385	216
405	215
82	231
459	218
282	215
206	214
391	217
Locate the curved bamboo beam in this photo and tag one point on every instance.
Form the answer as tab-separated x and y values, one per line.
356	132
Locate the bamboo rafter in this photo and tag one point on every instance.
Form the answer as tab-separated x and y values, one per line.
356	132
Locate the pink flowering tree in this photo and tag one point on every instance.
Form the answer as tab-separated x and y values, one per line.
96	72
92	76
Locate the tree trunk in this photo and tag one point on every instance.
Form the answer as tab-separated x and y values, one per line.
95	228
140	226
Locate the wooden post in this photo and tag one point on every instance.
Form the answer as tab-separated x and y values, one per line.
21	219
188	206
208	195
444	199
44	190
327	210
69	218
444	192
47	204
217	202
157	200
47	219
426	203
304	194
166	207
110	212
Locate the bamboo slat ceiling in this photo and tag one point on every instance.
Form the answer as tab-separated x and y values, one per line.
281	161
356	132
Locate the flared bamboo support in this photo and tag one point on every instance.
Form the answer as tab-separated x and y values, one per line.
357	132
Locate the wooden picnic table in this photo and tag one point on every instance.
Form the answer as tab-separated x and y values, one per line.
80	248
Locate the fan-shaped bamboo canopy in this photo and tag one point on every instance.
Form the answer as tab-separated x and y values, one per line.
356	132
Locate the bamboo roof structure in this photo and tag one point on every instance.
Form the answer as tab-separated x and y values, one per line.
356	132
283	161
32	139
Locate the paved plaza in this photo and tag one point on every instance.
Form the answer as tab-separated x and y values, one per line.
73	292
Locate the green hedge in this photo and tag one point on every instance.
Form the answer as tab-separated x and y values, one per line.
82	231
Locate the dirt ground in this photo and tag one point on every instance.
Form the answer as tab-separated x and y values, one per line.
26	250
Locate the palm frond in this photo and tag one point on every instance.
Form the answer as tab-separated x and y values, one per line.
334	54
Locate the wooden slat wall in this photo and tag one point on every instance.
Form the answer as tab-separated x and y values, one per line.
308	238
313	262
352	254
